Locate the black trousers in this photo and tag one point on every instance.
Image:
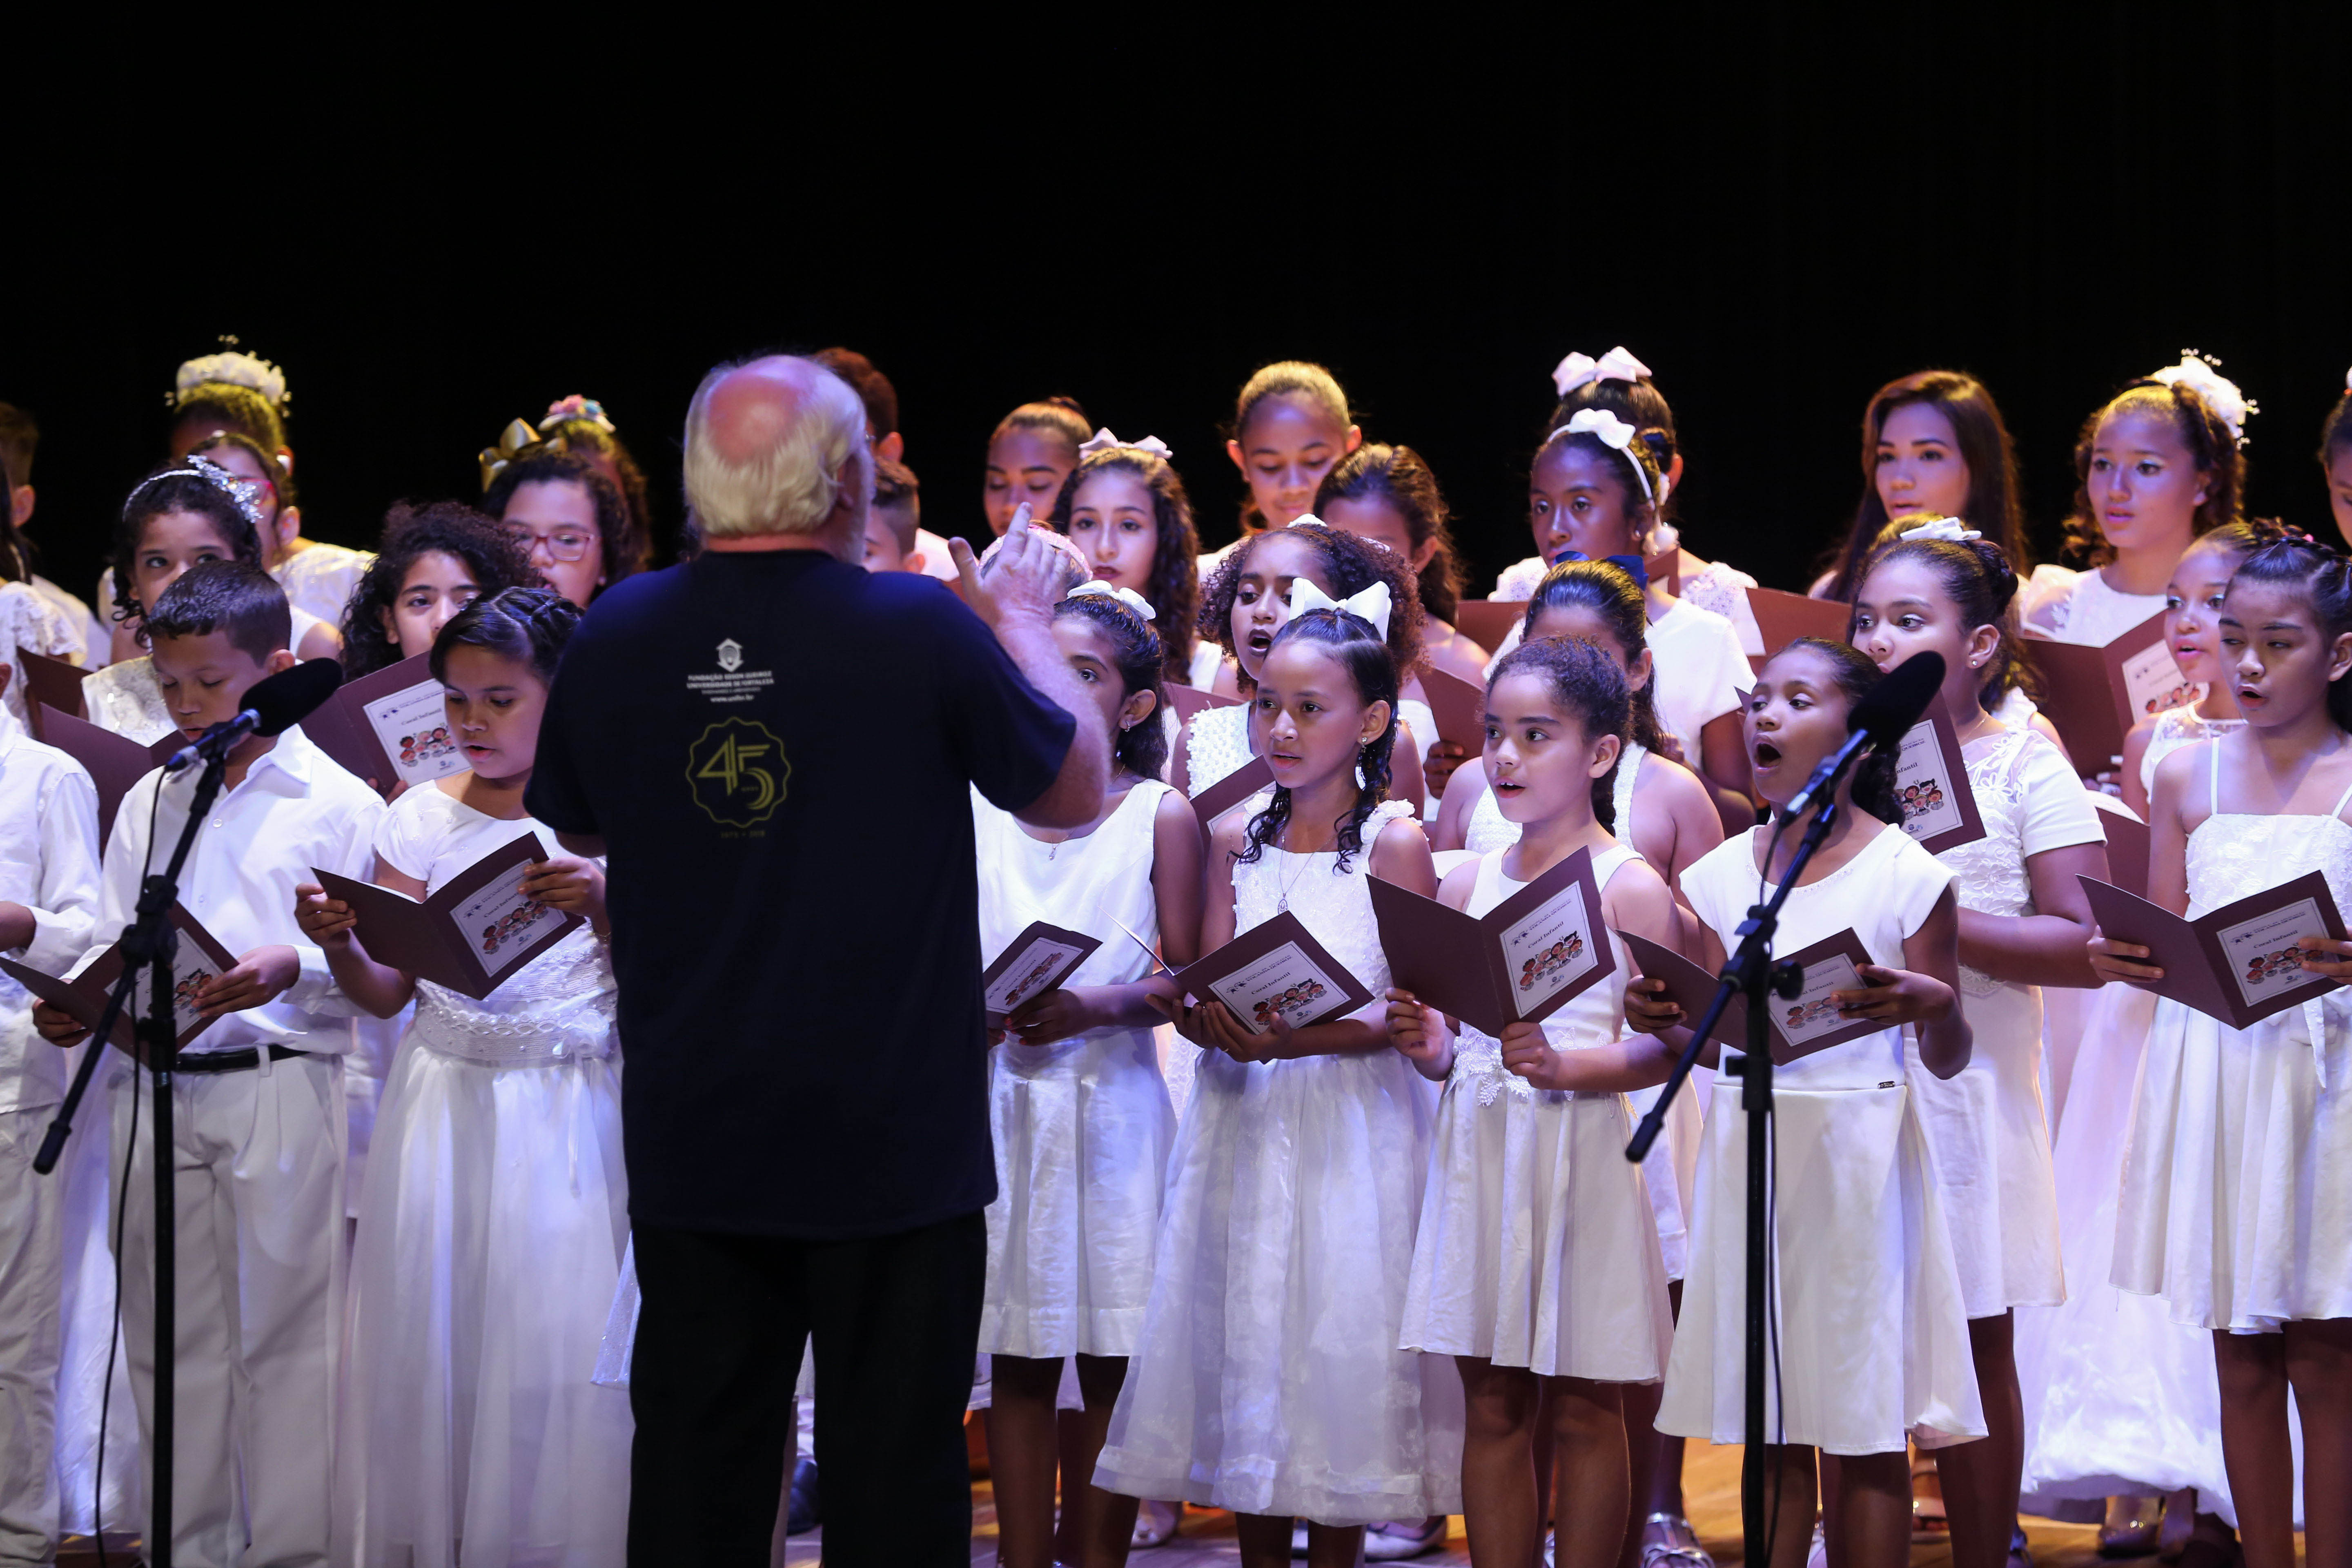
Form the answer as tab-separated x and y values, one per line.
895	1320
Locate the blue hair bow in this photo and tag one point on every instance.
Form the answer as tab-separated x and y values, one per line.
1629	564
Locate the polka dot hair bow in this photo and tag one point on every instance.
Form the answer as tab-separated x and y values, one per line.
1578	369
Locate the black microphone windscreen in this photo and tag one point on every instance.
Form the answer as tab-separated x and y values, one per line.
285	699
1889	710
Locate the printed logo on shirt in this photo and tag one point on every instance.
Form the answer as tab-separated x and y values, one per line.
733	683
737	773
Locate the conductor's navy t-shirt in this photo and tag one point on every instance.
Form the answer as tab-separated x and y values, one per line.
777	749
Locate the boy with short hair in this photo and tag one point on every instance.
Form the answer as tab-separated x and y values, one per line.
48	909
259	1121
891	523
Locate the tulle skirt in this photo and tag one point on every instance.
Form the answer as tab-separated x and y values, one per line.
1538	1247
1989	1146
490	1247
2236	1203
2120	1401
1268	1380
1873	1334
1082	1130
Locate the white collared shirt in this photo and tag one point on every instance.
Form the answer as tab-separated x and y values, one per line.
294	810
48	863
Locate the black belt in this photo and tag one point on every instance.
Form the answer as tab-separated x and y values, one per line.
233	1061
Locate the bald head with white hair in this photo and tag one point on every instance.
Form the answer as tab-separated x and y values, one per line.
776	458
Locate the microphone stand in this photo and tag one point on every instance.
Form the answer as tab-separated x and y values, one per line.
1751	973
149	943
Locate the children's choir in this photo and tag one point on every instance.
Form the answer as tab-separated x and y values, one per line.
2039	1234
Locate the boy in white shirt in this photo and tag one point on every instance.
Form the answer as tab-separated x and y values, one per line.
258	1100
49	908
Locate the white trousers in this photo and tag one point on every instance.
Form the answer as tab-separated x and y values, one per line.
259	1171
31	1280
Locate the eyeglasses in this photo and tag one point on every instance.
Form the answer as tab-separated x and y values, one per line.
560	544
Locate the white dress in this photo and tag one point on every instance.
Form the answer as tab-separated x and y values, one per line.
490	1247
1082	1126
2236	1203
1697	670
1536	1246
320	578
2066	605
1872	1331
124	697
2119	1399
1673	1161
1988	1137
1269	1380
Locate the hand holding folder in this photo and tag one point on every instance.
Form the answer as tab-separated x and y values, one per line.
471	935
2239	964
197	958
1520	962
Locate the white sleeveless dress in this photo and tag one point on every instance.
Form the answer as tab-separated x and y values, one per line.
489	1245
1082	1126
1873	1329
1987	1138
2120	1401
2236	1203
1536	1246
1673	1161
1269	1380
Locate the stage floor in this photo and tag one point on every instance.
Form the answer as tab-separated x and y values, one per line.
1710	1485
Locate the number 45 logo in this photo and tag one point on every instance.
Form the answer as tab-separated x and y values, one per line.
737	772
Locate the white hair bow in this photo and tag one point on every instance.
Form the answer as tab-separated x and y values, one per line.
2216	391
1371	604
1096	588
1615	433
1946	528
1104	441
1579	368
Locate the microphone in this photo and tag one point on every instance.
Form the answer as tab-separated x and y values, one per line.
272	706
1879	721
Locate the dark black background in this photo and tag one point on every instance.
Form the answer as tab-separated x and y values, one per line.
1777	207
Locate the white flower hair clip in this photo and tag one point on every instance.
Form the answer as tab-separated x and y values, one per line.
1372	604
1104	441
231	368
1096	588
2202	374
1615	433
1949	528
1578	369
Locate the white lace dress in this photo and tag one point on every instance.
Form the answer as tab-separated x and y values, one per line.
2119	1399
124	697
1269	1380
1988	1136
2236	1202
1082	1126
1873	1330
490	1237
1673	1161
1536	1246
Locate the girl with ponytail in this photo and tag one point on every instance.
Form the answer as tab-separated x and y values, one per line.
2023	918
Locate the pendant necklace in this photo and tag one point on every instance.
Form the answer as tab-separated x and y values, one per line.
1281	904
